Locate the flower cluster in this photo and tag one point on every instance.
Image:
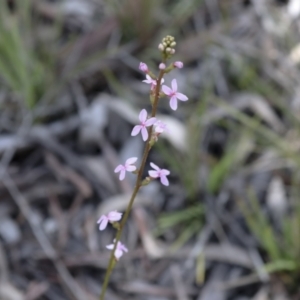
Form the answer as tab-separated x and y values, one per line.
150	128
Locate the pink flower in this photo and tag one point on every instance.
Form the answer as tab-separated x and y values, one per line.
173	94
119	249
127	167
160	127
162	173
162	66
151	81
144	123
112	216
178	64
143	67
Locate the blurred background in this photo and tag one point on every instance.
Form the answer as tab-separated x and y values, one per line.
227	227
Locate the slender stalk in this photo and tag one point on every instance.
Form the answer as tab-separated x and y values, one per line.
135	190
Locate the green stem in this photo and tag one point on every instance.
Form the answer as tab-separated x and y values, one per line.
135	190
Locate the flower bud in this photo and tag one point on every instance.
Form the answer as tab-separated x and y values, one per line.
146	181
143	67
167	47
178	64
162	66
161	47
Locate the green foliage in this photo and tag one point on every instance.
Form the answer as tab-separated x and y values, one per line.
137	17
282	245
23	66
190	219
143	19
236	152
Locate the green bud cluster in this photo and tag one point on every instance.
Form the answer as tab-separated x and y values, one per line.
167	46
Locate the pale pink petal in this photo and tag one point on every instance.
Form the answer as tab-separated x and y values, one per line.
174	85
136	130
110	247
122	174
144	134
182	97
173	103
131	161
114	216
155	167
153	174
101	218
178	64
130	168
123	248
143	115
103	223
164	180
162	81
147	81
119	168
165	172
166	90
150	122
160	127
118	253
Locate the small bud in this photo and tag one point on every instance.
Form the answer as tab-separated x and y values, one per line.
146	181
116	225
143	67
178	64
162	66
161	47
168	43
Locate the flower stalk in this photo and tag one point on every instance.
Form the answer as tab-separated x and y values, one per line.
150	129
138	184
